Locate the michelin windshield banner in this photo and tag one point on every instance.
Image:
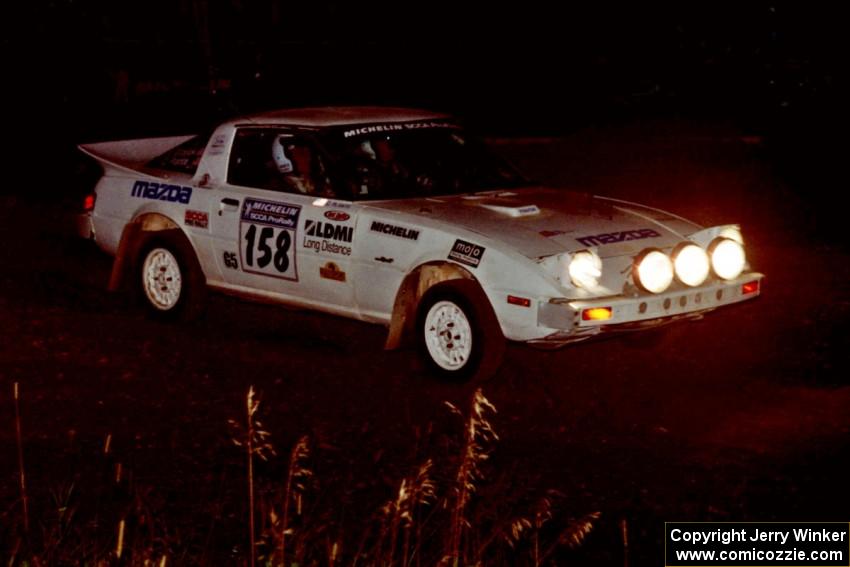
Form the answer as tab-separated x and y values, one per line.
762	544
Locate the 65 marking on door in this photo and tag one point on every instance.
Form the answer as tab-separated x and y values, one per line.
267	237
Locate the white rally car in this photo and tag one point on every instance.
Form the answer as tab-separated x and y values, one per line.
397	217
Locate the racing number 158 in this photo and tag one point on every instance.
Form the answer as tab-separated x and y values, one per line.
280	256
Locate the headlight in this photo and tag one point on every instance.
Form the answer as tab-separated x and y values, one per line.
727	258
585	269
690	263
732	233
653	270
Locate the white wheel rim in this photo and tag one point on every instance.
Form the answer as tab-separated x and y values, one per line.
448	335
161	279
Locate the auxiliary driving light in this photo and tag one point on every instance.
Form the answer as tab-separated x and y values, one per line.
727	258
653	270
732	233
691	264
585	269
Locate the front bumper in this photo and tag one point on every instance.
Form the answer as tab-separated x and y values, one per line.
641	311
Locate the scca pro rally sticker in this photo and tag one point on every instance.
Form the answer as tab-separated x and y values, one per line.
267	231
467	253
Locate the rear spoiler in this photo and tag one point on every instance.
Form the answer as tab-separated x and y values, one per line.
130	156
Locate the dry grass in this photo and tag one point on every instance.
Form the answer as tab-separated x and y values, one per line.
21	473
296	478
446	510
256	442
479	438
102	523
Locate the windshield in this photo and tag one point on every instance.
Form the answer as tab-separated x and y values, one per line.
415	159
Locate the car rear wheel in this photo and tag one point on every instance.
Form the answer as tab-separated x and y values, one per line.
171	284
458	334
162	281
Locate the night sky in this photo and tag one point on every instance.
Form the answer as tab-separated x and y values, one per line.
78	71
97	68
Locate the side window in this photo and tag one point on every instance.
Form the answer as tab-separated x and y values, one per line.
279	161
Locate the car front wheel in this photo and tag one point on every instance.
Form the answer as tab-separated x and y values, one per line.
458	334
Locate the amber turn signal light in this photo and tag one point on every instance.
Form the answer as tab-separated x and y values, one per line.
596	314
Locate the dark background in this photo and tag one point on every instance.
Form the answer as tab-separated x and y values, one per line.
82	70
719	112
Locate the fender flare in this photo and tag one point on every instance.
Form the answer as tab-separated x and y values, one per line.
133	239
410	292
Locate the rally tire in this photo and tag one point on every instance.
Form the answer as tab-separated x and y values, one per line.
458	335
169	279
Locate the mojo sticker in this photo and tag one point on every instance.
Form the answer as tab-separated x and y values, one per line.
467	253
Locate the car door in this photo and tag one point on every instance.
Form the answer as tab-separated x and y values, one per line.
271	237
325	249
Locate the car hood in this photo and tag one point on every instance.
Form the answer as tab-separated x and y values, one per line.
540	222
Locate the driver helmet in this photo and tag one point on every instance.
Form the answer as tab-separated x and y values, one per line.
279	153
366	149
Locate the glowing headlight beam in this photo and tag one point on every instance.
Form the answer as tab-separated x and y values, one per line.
653	270
691	264
585	269
727	258
732	233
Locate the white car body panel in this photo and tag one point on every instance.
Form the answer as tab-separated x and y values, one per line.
350	258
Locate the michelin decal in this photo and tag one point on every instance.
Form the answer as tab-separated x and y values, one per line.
394	230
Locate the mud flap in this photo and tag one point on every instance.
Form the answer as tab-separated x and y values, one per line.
128	250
